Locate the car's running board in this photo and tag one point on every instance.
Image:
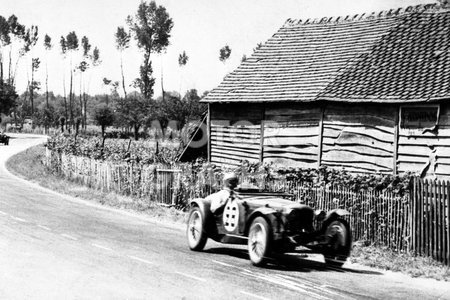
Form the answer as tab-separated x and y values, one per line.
234	239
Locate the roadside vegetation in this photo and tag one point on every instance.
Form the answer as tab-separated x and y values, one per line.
28	165
383	258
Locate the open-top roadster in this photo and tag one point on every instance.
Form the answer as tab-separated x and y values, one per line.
270	224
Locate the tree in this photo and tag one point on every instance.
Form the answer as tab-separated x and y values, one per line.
135	112
34	85
95	61
122	43
16	33
82	68
180	110
30	39
151	28
104	116
5	40
63	45
47	46
72	46
8	97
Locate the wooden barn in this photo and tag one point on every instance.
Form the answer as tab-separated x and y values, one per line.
368	93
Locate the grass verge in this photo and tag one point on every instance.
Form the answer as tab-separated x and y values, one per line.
28	165
386	259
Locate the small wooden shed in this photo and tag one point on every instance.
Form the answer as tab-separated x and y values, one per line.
368	93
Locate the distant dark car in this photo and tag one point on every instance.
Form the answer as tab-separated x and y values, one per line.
270	224
4	139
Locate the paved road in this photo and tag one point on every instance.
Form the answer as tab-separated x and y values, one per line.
57	247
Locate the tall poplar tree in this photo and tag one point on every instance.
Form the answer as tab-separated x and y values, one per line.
47	46
72	46
122	43
151	28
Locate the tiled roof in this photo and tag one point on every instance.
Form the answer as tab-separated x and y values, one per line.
395	56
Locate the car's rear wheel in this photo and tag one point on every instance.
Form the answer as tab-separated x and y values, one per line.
196	234
340	243
259	241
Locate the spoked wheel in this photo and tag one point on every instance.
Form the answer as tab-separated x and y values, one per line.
259	241
340	243
196	234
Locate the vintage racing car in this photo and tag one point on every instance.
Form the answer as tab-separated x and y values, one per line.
4	139
270	224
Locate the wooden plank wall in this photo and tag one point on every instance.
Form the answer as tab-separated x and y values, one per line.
418	149
359	138
235	133
291	135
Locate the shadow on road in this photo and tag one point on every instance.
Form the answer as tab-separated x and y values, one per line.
290	263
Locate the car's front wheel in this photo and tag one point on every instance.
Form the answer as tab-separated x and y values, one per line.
339	243
259	241
196	234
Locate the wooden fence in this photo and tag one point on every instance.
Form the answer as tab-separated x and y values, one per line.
156	183
418	222
375	216
431	219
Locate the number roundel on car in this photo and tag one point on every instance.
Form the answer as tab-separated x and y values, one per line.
231	216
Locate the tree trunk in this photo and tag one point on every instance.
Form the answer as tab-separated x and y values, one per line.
123	77
85	110
71	98
32	89
136	132
46	85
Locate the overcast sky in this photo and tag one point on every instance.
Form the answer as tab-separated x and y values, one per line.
201	28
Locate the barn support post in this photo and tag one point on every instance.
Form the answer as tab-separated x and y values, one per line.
319	152
396	133
263	115
208	129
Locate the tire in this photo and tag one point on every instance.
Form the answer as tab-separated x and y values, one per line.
259	241
339	247
195	231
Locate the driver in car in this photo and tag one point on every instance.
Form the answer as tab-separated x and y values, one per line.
219	199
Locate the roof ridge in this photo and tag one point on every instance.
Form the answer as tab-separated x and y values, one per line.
365	16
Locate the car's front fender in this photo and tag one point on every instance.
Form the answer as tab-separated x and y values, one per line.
333	215
336	213
272	216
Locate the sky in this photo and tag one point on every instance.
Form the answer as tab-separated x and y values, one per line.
201	28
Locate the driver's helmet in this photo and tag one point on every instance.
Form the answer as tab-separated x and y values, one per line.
230	180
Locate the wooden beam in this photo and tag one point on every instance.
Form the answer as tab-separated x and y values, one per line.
208	128
319	153
263	115
396	131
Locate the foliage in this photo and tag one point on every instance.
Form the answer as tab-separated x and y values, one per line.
122	39
224	53
180	111
48	42
122	43
151	28
72	41
8	97
183	59
118	150
135	111
104	116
